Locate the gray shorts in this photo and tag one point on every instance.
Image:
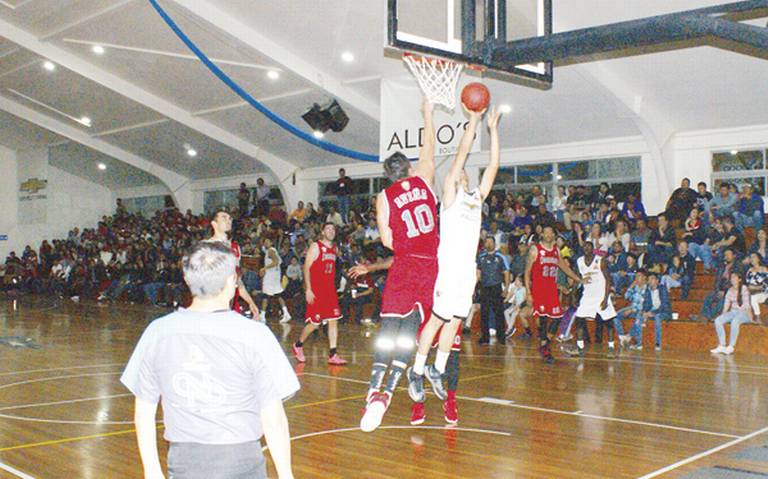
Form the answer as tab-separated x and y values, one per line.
188	460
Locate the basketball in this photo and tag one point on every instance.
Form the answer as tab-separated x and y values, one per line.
475	96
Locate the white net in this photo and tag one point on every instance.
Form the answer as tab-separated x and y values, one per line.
437	78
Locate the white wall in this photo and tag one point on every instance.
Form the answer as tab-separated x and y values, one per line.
9	188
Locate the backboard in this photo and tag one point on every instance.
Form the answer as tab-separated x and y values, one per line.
468	31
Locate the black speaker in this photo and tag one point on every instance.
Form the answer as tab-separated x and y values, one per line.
323	118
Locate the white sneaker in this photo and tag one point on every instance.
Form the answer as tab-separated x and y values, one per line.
286	317
624	340
492	333
718	350
374	412
728	350
263	317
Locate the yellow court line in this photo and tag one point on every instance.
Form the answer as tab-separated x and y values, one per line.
483	376
327	401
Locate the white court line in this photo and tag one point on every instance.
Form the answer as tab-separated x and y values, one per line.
30	371
15	471
68	401
558	411
704	454
52	378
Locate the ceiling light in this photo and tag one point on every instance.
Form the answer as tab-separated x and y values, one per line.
505	108
273	74
102	166
318	134
97	49
192	152
49	65
734	152
85	121
559	177
348	57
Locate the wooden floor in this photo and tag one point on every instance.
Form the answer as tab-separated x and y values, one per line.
64	414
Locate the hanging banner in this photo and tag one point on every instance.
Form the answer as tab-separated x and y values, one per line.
402	123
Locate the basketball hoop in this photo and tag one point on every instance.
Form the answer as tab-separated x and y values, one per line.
437	78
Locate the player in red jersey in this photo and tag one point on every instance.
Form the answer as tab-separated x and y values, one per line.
541	270
221	222
406	213
320	290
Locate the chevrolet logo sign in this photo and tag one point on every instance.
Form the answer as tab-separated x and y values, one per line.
33	185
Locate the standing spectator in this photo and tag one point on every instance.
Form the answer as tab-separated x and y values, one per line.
656	307
750	212
757	282
494	280
736	311
681	202
343	190
560	207
358	294
243	200
213	431
723	204
261	197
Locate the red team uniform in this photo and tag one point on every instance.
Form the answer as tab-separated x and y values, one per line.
235	301
322	277
413	221
546	300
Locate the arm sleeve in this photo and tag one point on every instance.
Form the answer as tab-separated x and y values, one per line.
139	375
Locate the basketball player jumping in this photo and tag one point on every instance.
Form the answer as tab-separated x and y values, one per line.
406	215
320	290
541	270
596	298
221	222
460	221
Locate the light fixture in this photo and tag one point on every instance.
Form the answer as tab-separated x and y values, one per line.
505	108
273	74
85	121
192	152
49	65
102	166
348	56
734	152
97	49
559	177
318	134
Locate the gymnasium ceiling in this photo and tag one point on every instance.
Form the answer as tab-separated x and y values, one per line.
149	102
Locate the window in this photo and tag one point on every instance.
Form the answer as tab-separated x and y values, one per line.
363	189
738	161
147	205
740	168
228	198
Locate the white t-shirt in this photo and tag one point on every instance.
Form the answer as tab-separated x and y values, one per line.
214	373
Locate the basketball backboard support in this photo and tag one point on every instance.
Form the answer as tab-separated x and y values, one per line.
468	31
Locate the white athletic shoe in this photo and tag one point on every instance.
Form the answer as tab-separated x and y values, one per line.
624	340
718	350
286	317
728	350
263	317
374	412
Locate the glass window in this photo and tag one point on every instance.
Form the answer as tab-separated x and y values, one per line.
505	175
576	170
146	205
618	168
737	161
527	174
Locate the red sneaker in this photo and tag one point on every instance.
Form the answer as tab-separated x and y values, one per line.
418	415
298	352
336	360
451	410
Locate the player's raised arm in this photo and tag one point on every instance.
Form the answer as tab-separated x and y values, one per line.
489	176
426	164
382	219
450	185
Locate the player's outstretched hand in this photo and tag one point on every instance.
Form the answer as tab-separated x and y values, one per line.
310	297
473	115
493	118
358	270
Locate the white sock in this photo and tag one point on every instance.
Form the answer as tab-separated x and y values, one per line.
418	364
441	360
580	344
610	344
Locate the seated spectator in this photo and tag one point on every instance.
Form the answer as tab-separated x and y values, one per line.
636	296
733	238
713	303
560	207
299	214
639	239
371	233
757	282
656	307
760	246
703	198
674	276
661	246
750	213
736	311
681	202
544	217
633	209
359	293
617	267
622	235
696	237
723	204
334	217
514	307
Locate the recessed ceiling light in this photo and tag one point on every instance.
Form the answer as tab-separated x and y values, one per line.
734	152
97	49
49	65
102	166
348	57
273	74
85	121
192	152
505	108
318	134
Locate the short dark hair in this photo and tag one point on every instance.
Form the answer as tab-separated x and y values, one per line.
216	213
396	167
701	183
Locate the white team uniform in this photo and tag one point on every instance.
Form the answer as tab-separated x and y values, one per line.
271	283
456	255
591	299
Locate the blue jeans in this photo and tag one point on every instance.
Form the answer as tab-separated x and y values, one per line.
702	252
713	305
736	318
343	207
151	290
684	283
637	328
622	314
755	220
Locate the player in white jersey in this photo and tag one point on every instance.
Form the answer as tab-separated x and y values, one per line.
596	298
460	222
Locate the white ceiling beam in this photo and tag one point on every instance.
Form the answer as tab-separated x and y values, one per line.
172	179
137	126
240	104
211	13
91	16
279	167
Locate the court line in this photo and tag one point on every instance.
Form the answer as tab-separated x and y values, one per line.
68	401
15	471
29	371
51	378
556	411
704	454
